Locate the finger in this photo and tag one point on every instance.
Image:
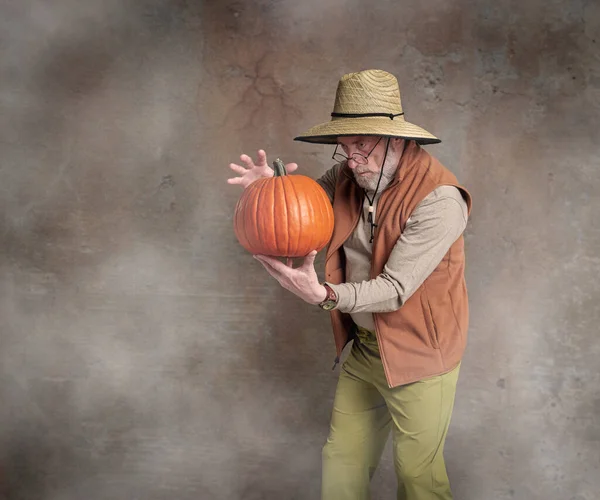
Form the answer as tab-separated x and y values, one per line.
235	180
237	168
291	167
262	158
274	264
270	270
247	161
265	259
309	260
290	262
273	272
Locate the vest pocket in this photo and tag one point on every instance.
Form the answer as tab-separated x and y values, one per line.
429	323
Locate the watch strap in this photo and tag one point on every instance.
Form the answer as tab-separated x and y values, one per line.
331	298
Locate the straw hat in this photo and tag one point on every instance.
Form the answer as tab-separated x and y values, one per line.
367	103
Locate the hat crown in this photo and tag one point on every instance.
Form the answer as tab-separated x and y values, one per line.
367	103
369	91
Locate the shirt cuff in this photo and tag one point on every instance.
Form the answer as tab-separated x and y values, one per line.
346	295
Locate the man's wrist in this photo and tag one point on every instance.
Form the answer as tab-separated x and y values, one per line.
321	294
330	300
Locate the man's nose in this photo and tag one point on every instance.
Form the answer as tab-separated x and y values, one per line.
352	163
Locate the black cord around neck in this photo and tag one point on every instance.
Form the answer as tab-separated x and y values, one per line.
371	201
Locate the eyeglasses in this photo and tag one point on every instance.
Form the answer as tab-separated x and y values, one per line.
357	157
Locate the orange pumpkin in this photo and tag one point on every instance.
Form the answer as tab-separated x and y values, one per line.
283	216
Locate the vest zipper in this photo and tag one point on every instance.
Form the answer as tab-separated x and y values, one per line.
354	224
337	358
377	334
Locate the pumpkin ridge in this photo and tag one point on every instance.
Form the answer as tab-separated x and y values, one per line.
328	216
312	218
318	209
270	203
274	212
249	204
324	213
242	217
285	207
240	212
270	231
257	227
298	219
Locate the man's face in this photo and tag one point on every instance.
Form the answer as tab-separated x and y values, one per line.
367	175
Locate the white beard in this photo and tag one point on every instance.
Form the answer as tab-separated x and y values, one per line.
369	182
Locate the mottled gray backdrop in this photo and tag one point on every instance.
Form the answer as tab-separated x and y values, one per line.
145	355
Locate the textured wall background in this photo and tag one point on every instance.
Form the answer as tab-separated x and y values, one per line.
145	355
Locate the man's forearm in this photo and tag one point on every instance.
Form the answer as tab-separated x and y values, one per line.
377	295
434	227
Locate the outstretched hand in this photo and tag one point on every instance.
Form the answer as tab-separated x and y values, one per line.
253	171
301	281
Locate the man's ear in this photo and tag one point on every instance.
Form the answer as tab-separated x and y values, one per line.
397	143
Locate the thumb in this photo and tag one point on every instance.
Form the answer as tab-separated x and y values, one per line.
291	167
309	260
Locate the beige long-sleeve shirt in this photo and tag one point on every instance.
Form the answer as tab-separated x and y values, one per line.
435	224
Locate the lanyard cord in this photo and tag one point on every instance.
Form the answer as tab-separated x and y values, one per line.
371	201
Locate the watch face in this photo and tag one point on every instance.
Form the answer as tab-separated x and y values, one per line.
328	305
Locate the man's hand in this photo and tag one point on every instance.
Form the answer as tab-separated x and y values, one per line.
302	281
252	171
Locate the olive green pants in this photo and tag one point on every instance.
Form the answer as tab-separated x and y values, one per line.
365	409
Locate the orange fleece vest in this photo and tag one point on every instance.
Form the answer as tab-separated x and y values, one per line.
427	335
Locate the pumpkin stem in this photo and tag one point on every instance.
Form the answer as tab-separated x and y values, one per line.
279	168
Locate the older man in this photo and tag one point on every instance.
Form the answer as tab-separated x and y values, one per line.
394	284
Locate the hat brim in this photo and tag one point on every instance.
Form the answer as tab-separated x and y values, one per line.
327	133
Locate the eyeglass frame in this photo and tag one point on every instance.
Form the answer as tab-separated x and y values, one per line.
352	156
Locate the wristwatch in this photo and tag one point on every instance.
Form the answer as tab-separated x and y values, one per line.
330	301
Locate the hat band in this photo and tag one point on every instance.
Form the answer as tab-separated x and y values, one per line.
361	115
